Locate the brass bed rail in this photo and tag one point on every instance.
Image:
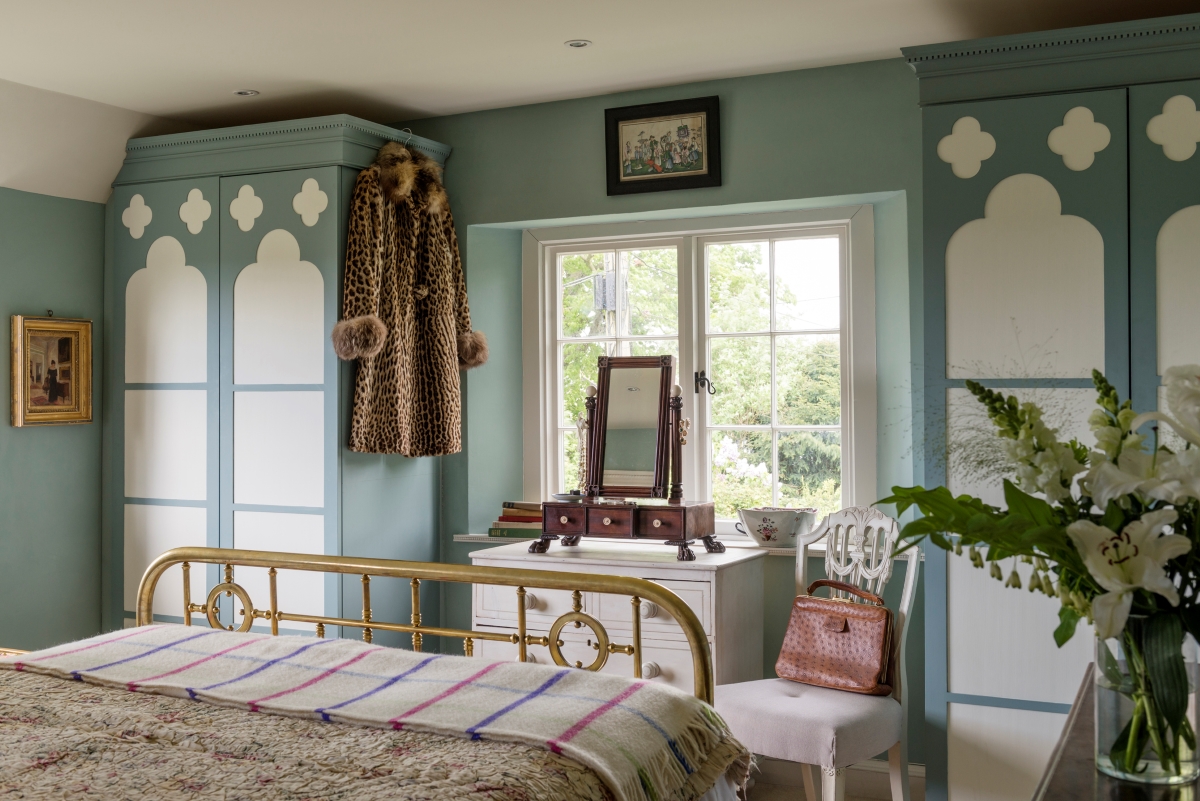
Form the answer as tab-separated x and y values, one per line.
637	589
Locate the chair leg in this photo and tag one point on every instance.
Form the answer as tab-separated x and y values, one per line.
810	784
833	784
898	768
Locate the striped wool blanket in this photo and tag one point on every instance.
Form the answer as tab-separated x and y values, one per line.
645	740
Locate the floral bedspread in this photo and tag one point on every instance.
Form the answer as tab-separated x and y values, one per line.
63	739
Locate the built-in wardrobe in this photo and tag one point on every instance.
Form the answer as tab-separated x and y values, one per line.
226	410
1061	234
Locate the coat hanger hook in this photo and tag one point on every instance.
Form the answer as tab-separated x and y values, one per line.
410	135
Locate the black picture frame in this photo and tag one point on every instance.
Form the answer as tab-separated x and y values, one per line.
626	176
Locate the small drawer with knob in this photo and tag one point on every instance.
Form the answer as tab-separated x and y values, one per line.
654	522
563	518
609	521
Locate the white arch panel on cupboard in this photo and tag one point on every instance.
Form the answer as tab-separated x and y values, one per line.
998	754
1026	287
151	530
1007	275
1164	228
279	448
166	444
299	591
166	319
160	436
278	316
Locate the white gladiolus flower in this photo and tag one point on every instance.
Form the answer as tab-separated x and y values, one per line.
1128	561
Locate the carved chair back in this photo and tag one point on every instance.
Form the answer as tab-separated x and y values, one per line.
860	544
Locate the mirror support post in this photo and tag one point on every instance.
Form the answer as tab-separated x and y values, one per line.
676	404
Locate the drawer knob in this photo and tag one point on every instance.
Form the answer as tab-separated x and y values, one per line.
657	523
651	670
564	520
531	601
648	609
608	521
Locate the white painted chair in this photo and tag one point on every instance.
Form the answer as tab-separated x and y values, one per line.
833	729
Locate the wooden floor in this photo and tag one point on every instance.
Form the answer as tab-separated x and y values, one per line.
776	792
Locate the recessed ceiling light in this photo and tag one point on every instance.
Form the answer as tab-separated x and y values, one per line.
577	43
246	92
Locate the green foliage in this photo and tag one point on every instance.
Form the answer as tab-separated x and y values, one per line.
739	291
1162	644
1068	620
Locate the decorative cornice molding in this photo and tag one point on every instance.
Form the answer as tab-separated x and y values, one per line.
1071	59
301	126
1122	34
339	140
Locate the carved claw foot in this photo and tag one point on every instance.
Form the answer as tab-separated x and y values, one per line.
571	540
712	545
685	553
540	545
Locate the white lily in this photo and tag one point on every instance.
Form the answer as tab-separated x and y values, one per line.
1183	399
1128	561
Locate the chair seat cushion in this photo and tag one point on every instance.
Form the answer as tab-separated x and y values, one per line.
814	725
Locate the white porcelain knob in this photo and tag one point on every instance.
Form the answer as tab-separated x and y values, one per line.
648	609
608	521
563	520
530	657
651	670
530	601
657	523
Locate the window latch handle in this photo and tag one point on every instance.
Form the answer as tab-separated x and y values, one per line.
704	381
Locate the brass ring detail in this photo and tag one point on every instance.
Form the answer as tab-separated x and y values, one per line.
591	623
211	606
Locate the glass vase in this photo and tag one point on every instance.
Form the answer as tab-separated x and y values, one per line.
1125	709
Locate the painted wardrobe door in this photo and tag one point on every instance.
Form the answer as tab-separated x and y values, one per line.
1026	289
279	290
165	358
1164	227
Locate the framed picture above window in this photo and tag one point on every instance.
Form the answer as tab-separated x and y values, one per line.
662	146
51	371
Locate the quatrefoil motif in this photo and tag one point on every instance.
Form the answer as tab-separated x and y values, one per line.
246	207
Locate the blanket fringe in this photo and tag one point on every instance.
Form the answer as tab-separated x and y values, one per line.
708	748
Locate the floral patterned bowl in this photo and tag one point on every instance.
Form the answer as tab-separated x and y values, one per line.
775	527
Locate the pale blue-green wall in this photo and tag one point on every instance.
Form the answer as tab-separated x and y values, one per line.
51	257
793	140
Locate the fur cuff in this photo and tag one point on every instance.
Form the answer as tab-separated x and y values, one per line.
359	337
472	350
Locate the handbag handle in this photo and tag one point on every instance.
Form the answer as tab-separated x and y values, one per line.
844	587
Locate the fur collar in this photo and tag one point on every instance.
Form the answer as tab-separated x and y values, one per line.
408	173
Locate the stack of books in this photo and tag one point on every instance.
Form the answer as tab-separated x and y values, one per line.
518	519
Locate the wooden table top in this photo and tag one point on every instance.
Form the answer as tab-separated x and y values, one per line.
1071	774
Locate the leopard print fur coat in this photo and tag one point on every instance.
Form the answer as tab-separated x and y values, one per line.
405	315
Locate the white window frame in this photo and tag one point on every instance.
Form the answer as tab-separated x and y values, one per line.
540	249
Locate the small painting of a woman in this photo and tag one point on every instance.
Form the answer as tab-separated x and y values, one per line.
53	389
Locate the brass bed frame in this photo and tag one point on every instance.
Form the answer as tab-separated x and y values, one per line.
416	572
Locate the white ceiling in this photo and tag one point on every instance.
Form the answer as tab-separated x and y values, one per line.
398	59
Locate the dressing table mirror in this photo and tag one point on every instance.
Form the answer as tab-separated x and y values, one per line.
633	485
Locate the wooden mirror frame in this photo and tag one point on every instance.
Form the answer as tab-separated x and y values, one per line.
598	427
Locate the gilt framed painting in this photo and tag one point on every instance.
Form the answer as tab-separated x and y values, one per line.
663	146
51	371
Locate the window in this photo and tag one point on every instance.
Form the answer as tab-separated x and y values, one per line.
620	302
780	317
772	329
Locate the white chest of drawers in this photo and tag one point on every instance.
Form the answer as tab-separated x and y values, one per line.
725	590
